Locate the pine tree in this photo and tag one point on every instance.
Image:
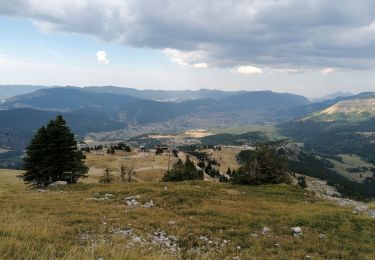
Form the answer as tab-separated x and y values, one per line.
107	176
264	167
52	155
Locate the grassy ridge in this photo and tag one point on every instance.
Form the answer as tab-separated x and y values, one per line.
69	224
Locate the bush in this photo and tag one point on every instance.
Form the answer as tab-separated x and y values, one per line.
107	177
183	171
302	182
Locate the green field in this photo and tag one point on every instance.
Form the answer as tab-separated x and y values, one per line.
269	130
203	220
352	161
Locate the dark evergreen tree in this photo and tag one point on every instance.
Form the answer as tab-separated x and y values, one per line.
229	172
183	171
52	155
264	167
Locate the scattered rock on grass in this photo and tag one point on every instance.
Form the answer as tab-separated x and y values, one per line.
266	231
122	232
137	239
149	204
297	231
131	201
167	242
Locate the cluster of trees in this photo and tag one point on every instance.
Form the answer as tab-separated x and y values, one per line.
258	167
119	147
264	166
211	171
327	140
126	172
312	166
330	138
52	155
183	171
360	169
111	149
249	138
196	151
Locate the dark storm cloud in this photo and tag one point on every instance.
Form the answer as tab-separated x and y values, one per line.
223	33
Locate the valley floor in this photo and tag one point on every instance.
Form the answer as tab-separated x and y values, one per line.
203	220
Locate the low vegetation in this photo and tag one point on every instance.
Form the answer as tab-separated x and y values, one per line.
208	220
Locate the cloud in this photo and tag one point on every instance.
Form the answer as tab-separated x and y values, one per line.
288	70
248	70
328	71
278	34
101	57
187	59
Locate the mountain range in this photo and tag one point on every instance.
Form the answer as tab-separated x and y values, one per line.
97	109
259	106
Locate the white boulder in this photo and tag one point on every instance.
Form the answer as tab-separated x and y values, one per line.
58	183
297	231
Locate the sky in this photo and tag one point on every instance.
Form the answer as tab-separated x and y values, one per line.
311	48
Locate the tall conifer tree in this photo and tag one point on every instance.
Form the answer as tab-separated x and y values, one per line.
52	155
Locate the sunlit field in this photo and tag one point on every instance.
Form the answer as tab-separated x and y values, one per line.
198	219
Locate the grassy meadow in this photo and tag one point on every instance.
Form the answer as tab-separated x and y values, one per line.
149	167
227	157
207	220
352	161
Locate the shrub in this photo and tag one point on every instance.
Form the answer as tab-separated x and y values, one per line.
302	181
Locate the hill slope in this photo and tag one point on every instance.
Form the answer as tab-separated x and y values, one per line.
348	110
22	123
192	220
7	91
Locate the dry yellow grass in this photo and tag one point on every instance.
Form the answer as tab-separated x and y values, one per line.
149	167
75	222
226	157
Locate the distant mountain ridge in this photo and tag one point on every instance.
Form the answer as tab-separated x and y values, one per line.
358	109
164	95
137	111
8	91
334	95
